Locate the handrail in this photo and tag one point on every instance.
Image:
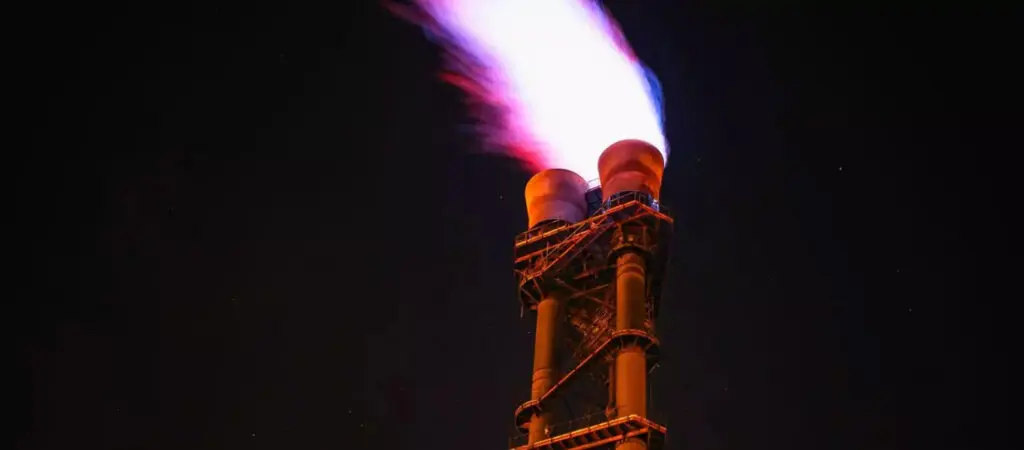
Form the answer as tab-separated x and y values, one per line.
620	201
587	425
560	428
595	219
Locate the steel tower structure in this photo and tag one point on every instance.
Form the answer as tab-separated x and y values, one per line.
590	265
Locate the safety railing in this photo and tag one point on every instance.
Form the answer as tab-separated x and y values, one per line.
553	430
618	199
626	197
583	422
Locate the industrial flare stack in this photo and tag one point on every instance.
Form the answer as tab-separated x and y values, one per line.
591	265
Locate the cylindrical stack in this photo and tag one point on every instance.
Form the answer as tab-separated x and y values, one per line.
631	362
630	166
609	410
553	194
549	312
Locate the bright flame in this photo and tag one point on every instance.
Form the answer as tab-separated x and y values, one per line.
554	81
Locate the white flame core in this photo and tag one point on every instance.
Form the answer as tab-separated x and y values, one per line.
559	72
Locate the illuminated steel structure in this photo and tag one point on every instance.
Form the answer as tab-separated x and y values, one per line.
591	265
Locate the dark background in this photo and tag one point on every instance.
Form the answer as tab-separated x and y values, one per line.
251	226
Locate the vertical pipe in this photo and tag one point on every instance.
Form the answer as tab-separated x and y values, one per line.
610	409
630	291
630	362
548	318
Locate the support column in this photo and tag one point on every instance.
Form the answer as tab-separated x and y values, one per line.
549	312
609	409
631	362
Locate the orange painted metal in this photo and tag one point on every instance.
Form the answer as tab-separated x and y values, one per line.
631	165
555	194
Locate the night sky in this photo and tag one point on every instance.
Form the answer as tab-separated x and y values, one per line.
250	227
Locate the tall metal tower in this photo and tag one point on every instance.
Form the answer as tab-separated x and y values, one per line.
591	266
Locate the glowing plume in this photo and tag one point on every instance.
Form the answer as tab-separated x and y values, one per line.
553	82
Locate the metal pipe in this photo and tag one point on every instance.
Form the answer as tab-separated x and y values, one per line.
610	409
630	291
544	359
631	361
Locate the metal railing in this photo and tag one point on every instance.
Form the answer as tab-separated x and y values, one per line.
616	200
591	419
578	423
626	197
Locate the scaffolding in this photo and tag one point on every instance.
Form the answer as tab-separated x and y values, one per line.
579	259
